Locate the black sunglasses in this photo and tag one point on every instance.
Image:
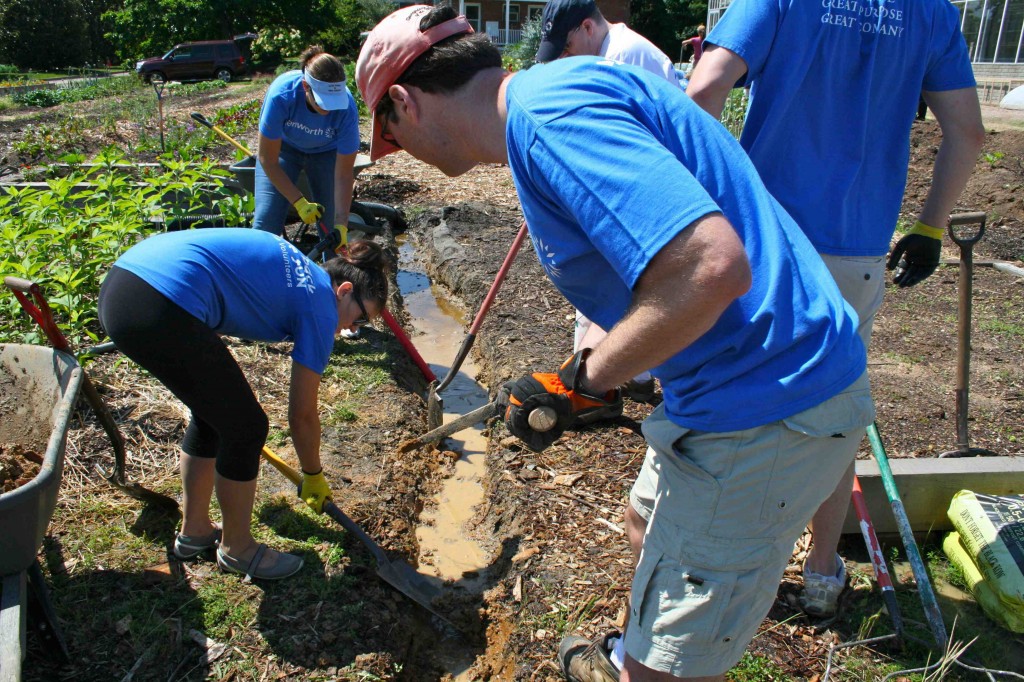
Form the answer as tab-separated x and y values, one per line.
365	319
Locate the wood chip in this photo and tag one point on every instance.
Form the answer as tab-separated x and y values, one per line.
525	554
213	649
615	527
517	590
566	479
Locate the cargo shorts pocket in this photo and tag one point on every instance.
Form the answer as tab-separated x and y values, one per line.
678	607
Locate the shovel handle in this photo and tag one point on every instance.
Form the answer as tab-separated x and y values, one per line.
39	311
967	219
202	120
282	466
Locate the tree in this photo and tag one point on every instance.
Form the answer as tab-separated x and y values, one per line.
666	22
44	35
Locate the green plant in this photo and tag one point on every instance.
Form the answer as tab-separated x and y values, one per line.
350	79
520	56
992	158
66	236
735	111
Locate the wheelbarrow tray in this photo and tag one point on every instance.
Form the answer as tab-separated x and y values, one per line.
38	390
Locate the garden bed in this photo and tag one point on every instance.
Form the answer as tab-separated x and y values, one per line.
561	562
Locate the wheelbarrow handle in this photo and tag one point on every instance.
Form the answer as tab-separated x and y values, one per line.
38	311
967	219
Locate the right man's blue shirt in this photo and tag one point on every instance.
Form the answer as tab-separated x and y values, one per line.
611	163
834	91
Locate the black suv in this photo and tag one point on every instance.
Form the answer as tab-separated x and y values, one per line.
202	60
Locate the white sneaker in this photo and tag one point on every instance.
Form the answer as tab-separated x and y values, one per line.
349	334
820	597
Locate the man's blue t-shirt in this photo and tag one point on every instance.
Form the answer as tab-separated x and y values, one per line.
285	116
611	163
245	283
834	91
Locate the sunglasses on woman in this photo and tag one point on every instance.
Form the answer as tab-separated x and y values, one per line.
365	319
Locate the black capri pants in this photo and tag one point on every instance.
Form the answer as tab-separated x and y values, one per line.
189	359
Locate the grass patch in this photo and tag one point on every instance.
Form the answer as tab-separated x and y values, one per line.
1001	327
756	668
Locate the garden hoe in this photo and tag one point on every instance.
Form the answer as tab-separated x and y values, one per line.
40	312
435	404
966	243
400	575
158	88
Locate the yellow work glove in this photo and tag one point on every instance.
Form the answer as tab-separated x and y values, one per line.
309	212
916	255
343	229
314	490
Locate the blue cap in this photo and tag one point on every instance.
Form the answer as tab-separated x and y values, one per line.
559	18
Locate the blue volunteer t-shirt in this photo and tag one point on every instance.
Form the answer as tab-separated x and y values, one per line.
834	91
245	283
286	117
611	163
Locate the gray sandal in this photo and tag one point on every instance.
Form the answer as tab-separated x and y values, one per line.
287	565
190	546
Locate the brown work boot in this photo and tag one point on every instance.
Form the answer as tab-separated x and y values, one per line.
586	661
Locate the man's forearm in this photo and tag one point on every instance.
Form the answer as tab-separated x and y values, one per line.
682	293
954	164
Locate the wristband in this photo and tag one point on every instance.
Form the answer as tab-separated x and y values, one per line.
319	471
926	230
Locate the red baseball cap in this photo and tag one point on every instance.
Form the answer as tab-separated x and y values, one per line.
391	47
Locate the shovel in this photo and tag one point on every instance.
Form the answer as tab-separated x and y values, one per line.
540	419
400	575
435	404
966	243
202	120
40	312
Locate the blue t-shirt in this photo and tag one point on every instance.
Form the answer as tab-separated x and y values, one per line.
611	163
245	283
286	117
834	91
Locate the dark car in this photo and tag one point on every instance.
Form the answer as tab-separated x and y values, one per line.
201	60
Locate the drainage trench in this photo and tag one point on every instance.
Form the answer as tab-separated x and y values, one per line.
447	546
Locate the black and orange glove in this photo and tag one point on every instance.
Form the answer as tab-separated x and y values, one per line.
542	399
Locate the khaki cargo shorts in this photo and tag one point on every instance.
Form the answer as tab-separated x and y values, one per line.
723	511
861	281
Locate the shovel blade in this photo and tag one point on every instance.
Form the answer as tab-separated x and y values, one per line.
435	407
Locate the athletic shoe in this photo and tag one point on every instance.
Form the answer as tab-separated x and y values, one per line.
285	566
820	597
189	546
586	661
639	391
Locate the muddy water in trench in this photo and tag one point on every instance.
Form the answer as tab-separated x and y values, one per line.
447	549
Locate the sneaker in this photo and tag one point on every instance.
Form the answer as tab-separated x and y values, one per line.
586	661
612	410
349	334
284	565
639	391
190	546
820	597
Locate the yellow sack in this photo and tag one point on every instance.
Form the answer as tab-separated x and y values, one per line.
1003	614
991	528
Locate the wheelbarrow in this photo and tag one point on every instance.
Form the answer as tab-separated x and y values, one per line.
39	310
38	391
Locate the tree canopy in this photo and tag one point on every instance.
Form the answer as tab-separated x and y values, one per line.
666	22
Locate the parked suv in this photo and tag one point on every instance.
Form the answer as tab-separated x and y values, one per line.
200	60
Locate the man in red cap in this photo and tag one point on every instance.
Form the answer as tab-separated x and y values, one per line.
649	217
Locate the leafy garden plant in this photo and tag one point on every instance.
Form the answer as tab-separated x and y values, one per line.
65	236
